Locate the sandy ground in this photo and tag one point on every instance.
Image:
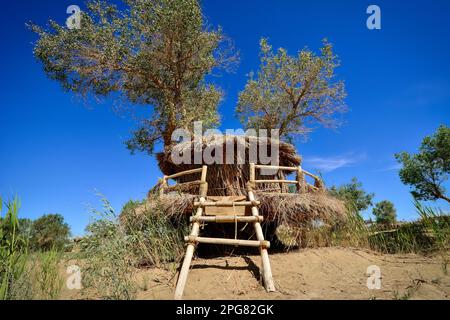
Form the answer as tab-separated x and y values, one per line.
328	273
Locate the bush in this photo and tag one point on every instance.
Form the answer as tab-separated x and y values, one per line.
385	213
49	232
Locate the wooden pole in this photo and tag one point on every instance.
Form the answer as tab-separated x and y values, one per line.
301	181
162	186
182	278
227	204
184	173
229	242
293	169
252	174
228	219
267	270
276	181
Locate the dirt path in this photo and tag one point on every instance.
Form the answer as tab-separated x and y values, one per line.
328	273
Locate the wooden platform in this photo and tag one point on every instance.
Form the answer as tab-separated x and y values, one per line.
228	206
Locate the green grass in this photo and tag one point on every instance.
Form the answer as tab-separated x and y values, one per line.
24	275
47	277
13	252
431	233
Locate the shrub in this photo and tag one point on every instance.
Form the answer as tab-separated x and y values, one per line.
385	213
49	232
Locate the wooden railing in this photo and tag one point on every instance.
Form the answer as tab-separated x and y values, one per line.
164	182
302	185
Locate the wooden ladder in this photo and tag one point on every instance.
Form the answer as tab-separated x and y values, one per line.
215	208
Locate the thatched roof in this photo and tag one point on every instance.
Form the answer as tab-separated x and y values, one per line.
226	179
287	155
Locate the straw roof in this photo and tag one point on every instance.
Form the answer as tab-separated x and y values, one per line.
226	179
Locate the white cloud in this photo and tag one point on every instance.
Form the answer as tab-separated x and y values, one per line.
328	164
394	167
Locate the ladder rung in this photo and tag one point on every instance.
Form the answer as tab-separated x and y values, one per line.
231	242
227	204
228	219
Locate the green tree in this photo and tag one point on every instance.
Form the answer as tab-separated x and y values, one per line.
291	93
49	232
427	170
353	194
151	52
385	212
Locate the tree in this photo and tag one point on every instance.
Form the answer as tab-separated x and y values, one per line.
427	170
48	232
151	52
292	93
353	194
385	212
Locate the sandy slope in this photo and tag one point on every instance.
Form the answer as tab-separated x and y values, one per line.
328	273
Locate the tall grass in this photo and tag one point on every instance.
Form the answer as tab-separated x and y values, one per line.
107	260
437	225
431	233
13	250
352	232
47	277
24	276
155	239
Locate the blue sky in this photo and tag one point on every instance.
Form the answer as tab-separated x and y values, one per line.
55	151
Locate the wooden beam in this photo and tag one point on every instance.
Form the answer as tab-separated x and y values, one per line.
252	172
204	185
311	175
184	173
184	272
182	278
228	204
227	219
267	270
276	181
292	169
229	242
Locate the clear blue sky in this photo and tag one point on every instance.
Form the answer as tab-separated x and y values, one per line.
55	152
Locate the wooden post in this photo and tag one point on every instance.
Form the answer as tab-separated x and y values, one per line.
163	186
204	185
182	278
301	181
252	177
267	271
